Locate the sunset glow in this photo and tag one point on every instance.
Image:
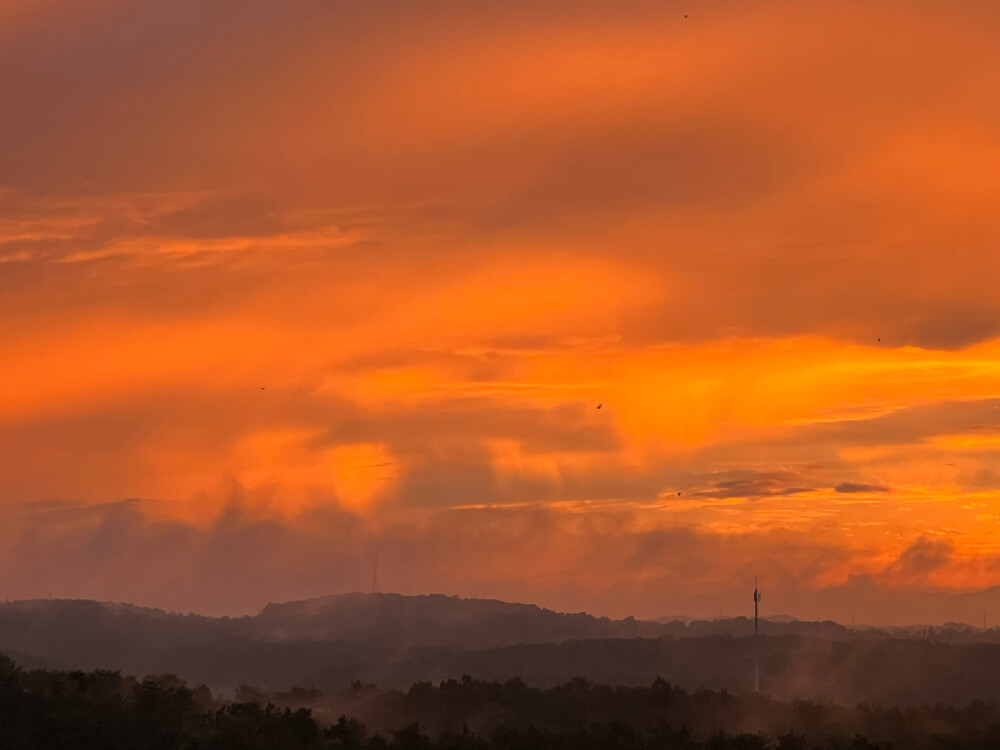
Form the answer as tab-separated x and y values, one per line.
577	304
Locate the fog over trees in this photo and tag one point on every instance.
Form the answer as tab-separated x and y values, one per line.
103	709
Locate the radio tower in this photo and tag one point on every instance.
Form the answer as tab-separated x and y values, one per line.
756	648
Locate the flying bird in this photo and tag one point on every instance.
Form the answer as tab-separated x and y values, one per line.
599	406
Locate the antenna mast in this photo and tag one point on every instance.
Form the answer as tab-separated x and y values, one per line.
756	647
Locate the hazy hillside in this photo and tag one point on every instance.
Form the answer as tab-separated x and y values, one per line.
70	629
435	620
393	641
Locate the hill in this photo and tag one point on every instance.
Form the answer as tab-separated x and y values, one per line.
434	620
394	641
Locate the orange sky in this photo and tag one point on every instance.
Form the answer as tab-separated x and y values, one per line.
286	285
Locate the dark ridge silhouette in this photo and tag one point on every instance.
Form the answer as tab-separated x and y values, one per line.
394	641
435	620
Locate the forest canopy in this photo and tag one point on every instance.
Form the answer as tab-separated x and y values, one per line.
104	709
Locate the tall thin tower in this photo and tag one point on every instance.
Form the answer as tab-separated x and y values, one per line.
756	647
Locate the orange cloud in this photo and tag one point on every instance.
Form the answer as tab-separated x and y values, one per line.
383	265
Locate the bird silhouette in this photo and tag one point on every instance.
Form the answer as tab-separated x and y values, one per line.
599	406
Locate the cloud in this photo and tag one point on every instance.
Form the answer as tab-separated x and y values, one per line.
924	557
244	558
17	256
687	162
391	258
896	427
443	424
608	562
753	484
608	174
850	488
954	330
221	216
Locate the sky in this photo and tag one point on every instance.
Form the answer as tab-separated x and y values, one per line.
605	306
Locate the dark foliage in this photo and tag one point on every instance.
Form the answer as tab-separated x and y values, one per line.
82	710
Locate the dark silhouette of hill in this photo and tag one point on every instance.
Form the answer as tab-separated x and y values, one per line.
394	641
435	620
398	621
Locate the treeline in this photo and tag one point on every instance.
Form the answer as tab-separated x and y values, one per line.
82	710
652	715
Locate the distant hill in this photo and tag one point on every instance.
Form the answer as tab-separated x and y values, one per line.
390	621
393	641
435	620
398	621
